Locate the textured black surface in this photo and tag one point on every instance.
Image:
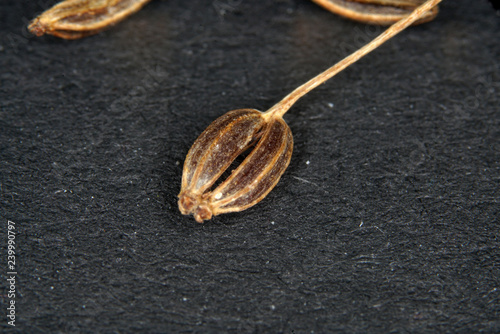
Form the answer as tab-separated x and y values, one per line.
387	219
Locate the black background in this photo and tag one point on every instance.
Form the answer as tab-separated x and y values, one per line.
385	221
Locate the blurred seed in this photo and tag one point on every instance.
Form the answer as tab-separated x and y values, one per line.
72	19
382	12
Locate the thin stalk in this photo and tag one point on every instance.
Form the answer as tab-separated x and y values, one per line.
279	109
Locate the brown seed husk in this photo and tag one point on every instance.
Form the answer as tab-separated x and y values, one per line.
72	19
381	12
214	151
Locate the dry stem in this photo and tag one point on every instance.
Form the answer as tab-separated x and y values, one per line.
282	107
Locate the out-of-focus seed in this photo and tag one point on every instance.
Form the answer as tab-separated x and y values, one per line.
72	19
381	12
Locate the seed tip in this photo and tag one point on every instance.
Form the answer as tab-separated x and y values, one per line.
202	213
186	204
37	28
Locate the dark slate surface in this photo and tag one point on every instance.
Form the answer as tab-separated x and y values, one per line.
387	219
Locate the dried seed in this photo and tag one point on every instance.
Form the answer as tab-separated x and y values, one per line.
382	12
72	19
214	151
